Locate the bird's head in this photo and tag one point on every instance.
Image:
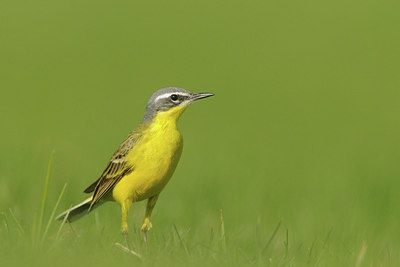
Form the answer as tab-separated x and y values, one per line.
170	102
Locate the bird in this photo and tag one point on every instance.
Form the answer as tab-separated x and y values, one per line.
144	162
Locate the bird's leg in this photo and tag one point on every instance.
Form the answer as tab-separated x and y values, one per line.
126	205
151	202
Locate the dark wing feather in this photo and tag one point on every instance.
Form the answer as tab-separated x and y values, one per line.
117	168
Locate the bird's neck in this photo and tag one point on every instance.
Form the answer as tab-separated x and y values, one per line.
168	118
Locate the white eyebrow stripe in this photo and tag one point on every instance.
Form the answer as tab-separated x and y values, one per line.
166	95
162	96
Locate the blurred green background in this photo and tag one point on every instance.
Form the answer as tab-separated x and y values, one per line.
304	128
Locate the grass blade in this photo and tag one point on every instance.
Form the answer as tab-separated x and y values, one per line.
223	239
127	250
61	225
34	228
20	229
286	243
272	237
324	246
181	241
44	199
5	221
53	212
361	254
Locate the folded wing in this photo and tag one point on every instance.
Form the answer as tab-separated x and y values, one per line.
116	169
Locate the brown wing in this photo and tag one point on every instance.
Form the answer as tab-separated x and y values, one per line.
117	168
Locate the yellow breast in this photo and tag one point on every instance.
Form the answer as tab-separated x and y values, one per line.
154	157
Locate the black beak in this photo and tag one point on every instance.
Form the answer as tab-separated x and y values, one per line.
197	96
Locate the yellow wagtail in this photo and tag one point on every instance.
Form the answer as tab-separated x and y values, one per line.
144	162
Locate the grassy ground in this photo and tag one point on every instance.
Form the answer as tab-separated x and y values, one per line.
299	148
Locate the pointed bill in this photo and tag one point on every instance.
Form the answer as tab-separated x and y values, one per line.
197	96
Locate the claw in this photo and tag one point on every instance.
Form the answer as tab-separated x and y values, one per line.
146	225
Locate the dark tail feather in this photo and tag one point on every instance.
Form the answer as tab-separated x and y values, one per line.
77	211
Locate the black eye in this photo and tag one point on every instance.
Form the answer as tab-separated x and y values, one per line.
174	97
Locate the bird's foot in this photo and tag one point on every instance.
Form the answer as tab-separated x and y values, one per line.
146	225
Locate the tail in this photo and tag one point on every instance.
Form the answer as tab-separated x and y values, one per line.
77	211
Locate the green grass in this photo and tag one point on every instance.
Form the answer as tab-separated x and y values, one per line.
299	147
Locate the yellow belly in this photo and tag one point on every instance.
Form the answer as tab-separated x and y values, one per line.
154	159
